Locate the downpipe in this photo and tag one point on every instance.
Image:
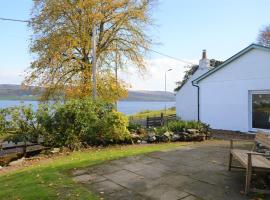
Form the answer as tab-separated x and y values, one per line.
198	100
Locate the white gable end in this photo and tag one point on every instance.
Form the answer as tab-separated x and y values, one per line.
225	96
187	96
254	64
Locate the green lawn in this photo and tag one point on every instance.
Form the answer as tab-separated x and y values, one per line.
52	180
153	113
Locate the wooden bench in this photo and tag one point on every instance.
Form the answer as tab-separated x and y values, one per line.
251	161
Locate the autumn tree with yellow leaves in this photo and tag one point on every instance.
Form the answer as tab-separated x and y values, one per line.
61	45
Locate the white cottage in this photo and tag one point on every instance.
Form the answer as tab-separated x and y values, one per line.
233	96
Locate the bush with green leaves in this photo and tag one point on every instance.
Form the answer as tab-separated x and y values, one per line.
137	128
78	123
161	130
133	127
180	126
176	126
67	124
112	128
4	124
21	124
72	124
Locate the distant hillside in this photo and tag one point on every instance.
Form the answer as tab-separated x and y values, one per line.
15	92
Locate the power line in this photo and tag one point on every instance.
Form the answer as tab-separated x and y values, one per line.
14	20
162	54
165	55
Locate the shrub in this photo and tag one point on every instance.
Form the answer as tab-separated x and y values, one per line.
4	124
72	124
67	124
76	123
204	128
180	126
112	128
21	124
161	130
134	127
176	126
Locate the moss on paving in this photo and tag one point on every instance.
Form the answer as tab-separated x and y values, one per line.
52	180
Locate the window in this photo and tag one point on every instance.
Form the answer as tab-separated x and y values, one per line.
261	110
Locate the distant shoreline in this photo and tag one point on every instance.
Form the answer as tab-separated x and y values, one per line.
13	92
123	100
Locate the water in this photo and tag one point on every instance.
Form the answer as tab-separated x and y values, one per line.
132	107
126	107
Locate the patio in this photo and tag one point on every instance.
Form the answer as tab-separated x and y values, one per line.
195	171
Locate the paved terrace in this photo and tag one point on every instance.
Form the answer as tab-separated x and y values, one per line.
192	172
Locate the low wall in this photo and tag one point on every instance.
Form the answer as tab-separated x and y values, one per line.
227	134
8	145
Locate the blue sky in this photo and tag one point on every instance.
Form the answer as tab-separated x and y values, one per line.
184	28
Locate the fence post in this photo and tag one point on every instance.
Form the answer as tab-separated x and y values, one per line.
147	122
162	119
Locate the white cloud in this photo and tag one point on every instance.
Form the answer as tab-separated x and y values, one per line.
11	76
154	78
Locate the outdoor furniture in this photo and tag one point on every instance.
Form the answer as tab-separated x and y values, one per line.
252	161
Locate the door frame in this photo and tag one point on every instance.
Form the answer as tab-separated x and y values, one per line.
250	93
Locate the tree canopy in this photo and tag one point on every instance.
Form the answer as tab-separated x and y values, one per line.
61	44
264	36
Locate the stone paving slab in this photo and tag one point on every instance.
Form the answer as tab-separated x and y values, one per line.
194	172
164	192
212	192
105	187
126	195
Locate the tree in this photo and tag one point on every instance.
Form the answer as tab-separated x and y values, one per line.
108	88
62	41
4	112
24	125
264	36
192	69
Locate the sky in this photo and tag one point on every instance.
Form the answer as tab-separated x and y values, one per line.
183	28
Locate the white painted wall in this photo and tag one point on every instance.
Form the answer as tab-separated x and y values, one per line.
224	95
186	97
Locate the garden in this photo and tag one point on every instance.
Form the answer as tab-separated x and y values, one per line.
78	134
80	124
86	133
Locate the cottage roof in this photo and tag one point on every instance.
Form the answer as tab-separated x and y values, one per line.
231	59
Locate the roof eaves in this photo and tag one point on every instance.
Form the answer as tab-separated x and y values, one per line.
234	57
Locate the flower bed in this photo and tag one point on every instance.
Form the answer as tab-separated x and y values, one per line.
176	130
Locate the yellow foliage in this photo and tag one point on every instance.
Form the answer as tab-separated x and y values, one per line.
108	88
62	40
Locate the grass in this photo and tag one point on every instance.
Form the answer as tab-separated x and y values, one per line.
52	180
153	113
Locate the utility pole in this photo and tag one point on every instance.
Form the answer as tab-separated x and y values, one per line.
94	70
116	74
166	86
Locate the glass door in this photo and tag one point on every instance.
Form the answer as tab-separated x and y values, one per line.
260	110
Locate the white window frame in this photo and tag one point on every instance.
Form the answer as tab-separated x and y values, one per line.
251	92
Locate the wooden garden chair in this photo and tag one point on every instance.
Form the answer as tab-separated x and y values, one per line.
252	161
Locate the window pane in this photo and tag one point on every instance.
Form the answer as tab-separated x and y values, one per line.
261	111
